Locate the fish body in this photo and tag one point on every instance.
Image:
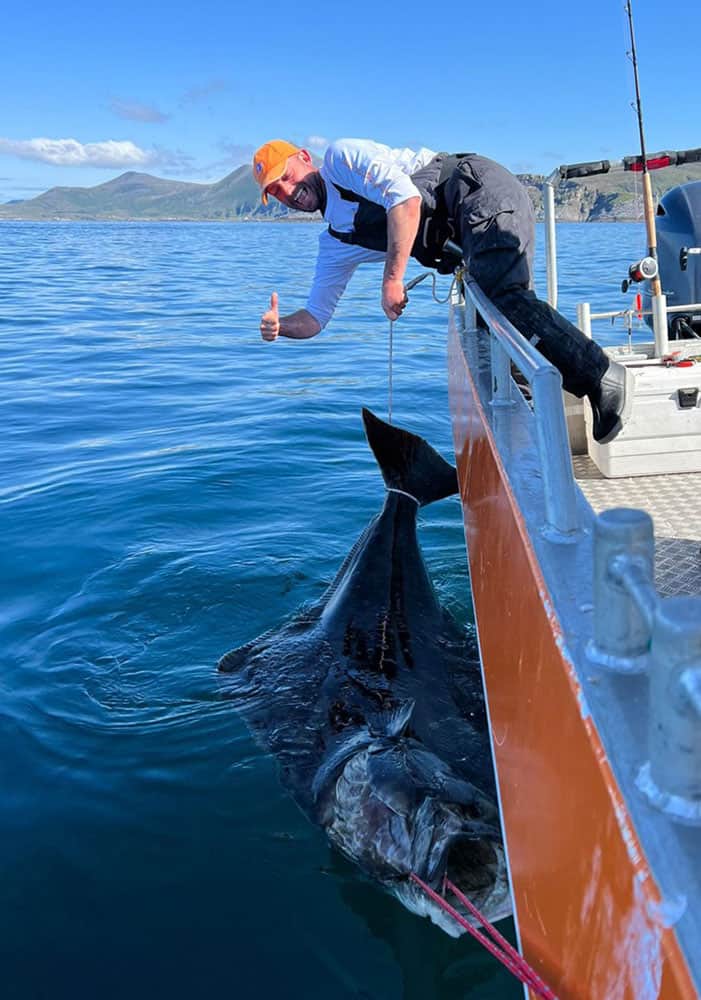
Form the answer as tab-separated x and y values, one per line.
372	702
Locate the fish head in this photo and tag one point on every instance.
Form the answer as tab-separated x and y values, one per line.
397	809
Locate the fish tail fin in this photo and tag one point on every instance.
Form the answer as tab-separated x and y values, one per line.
409	463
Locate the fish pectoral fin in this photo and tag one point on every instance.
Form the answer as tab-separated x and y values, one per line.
392	722
475	830
464	793
235	659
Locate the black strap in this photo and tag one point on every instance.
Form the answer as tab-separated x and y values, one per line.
347	194
450	162
436	228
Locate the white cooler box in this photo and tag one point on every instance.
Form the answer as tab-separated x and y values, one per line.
663	432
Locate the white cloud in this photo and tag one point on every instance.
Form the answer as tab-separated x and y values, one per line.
71	153
316	142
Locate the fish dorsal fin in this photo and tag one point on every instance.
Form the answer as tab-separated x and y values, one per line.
393	722
236	658
408	463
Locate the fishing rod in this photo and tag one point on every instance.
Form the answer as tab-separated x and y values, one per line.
649	209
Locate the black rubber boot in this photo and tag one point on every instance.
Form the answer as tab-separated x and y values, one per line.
611	402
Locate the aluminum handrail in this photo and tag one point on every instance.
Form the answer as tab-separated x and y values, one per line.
555	458
645	312
585	317
523	354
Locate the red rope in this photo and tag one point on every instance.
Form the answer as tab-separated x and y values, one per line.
495	944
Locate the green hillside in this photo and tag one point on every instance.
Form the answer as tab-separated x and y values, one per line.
137	196
613	197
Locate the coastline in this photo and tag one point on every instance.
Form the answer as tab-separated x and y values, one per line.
304	220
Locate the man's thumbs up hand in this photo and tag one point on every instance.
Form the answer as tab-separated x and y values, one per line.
270	320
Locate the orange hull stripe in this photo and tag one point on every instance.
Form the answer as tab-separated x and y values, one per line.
588	908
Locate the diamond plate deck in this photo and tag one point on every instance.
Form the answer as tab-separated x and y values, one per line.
674	503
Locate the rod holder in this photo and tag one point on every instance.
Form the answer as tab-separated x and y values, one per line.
671	779
659	324
624	596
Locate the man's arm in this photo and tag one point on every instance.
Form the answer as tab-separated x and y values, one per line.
299	325
402	227
383	175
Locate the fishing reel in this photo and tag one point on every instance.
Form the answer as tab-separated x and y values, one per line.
644	270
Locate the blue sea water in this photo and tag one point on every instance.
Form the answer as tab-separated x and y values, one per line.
170	487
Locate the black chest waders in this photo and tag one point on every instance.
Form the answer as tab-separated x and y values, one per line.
435	226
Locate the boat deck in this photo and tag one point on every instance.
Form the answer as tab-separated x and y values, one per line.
673	502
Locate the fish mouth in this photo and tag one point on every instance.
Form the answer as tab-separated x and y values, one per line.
477	868
475	863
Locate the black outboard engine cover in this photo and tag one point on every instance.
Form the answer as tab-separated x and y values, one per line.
678	225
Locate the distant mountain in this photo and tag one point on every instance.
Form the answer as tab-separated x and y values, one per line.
614	197
136	196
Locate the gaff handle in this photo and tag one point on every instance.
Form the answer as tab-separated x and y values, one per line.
584	169
414	281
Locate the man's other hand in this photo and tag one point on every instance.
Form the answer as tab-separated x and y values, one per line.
270	320
394	298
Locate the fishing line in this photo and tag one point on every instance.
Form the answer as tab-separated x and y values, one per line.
391	348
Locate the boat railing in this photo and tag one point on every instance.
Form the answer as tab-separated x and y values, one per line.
585	316
637	631
508	346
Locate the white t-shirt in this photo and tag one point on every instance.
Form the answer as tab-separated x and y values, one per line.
376	172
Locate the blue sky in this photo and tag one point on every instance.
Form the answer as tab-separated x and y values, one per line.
189	90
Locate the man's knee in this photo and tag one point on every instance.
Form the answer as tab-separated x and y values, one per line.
500	269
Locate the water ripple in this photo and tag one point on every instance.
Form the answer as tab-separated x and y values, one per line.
170	486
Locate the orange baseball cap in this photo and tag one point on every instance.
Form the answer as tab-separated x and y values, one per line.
269	163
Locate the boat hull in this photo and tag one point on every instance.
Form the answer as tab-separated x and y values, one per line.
588	911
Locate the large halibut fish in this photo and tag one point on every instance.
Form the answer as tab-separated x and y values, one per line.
371	700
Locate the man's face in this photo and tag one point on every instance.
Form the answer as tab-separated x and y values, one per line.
300	187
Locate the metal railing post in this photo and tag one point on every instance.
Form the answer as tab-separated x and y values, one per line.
550	242
584	318
501	374
624	596
470	314
554	448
